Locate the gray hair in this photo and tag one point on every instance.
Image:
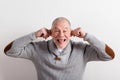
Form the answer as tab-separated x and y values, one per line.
59	19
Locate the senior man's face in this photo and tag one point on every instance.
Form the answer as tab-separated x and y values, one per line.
61	33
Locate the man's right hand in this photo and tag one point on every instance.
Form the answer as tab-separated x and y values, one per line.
43	32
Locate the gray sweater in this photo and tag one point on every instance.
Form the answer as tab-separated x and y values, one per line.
40	53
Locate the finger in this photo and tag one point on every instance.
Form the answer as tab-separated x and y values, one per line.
77	33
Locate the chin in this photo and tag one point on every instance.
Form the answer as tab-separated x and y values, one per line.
62	46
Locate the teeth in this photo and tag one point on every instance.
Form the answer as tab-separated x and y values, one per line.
61	40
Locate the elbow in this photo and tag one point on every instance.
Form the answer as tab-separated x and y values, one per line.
8	47
109	51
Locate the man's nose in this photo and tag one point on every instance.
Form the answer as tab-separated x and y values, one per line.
61	33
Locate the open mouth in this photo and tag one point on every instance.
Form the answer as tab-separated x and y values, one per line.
61	40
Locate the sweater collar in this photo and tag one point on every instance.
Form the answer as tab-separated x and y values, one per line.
53	48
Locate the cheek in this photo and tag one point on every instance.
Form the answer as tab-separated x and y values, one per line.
68	34
54	34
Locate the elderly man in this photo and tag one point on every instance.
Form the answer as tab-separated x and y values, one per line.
60	58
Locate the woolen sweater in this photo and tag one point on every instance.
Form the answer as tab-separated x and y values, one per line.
41	54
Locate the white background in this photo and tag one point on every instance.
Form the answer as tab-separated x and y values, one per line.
98	17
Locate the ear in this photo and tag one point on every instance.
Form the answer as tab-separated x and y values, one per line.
49	32
72	33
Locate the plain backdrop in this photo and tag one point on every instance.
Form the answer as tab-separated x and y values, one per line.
98	17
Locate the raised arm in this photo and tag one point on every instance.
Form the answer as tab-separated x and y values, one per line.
21	42
79	32
8	47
